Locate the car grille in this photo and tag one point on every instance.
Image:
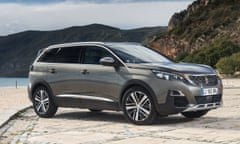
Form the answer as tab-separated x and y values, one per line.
208	99
207	80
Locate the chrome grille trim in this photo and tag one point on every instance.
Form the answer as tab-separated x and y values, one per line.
203	80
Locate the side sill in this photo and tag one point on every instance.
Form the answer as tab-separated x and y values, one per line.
89	102
85	97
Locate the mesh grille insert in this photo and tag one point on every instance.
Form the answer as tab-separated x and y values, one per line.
208	80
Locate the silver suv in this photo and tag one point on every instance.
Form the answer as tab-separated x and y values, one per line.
124	77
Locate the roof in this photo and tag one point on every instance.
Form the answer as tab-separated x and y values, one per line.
91	43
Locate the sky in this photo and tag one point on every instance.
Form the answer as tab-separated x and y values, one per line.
22	15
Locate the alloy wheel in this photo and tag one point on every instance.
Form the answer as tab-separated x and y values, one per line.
138	106
41	101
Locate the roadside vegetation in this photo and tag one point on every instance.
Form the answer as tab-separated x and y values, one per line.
230	65
223	54
211	30
203	21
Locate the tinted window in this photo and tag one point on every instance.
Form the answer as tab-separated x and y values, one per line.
94	54
62	55
48	56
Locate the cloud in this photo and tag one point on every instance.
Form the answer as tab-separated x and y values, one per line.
15	17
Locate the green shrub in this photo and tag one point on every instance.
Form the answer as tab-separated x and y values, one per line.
218	2
225	66
211	54
229	65
178	30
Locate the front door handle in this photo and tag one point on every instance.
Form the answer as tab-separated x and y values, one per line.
85	72
52	70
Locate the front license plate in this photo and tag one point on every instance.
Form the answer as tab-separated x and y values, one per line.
209	91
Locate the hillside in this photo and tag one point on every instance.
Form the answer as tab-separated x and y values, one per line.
17	51
203	24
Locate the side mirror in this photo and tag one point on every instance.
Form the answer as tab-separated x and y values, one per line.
107	61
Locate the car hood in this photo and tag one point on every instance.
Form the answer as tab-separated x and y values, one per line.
176	67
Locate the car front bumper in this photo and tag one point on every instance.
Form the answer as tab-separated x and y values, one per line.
182	97
206	106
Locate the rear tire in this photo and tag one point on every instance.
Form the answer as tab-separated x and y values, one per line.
138	106
42	102
196	114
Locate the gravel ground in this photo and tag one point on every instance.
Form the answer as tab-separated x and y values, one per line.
79	126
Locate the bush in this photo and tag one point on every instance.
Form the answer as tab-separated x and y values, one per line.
229	65
178	30
218	2
225	66
211	54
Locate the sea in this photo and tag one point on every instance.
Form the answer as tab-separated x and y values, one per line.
9	82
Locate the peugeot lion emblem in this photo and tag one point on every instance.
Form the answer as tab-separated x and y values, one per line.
206	80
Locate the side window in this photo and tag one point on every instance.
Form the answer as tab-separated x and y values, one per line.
48	56
62	55
93	55
68	55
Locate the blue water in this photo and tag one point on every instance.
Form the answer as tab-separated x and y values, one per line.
12	82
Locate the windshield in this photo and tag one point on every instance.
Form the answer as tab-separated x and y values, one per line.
137	54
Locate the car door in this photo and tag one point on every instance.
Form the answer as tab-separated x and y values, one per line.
63	70
100	82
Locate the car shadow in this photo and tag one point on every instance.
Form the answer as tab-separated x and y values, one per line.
116	117
172	120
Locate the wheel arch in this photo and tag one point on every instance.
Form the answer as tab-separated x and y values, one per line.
44	84
140	83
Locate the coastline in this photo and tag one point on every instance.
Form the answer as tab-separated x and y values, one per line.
13	81
11	96
12	100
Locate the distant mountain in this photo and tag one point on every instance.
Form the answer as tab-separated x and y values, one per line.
17	51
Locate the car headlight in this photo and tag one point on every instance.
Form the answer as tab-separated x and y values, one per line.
168	76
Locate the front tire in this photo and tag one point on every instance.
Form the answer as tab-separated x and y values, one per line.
42	102
138	106
196	114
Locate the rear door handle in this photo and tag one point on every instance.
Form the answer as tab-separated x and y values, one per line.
52	70
85	72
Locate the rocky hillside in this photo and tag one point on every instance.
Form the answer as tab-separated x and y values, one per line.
202	24
17	51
